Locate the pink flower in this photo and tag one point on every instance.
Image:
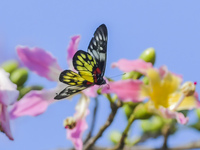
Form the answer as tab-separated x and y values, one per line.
164	90
44	64
132	65
8	95
128	90
76	125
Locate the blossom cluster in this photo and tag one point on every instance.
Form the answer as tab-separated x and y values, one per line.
166	94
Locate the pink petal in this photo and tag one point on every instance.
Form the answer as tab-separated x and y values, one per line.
132	65
163	72
40	62
8	90
75	134
176	115
72	49
4	120
92	91
34	103
126	90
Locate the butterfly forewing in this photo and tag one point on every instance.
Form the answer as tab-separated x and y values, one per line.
98	47
85	64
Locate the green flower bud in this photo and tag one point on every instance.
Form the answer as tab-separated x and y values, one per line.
10	66
128	108
153	125
149	55
141	112
145	80
115	137
196	125
131	75
198	113
25	90
19	76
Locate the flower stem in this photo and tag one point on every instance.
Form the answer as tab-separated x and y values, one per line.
124	134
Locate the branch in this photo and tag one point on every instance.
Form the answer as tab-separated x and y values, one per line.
166	133
124	134
193	145
114	108
93	120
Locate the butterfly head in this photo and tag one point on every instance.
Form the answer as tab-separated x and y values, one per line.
100	81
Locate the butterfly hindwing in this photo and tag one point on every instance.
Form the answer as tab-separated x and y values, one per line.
98	47
85	64
69	90
71	78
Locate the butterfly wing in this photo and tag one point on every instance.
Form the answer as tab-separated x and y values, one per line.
75	84
98	47
69	91
86	65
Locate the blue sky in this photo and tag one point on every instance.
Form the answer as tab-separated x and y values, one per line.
171	27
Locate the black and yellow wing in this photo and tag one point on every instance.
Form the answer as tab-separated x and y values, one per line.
98	47
86	65
75	84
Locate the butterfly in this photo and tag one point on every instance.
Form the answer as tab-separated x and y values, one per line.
89	65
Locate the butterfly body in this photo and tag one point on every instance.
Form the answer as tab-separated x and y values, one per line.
90	66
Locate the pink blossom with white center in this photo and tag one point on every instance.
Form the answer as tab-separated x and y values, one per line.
8	95
44	64
75	133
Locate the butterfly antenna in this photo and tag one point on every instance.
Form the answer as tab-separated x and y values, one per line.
118	75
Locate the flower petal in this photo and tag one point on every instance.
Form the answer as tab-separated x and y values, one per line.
4	120
82	107
126	90
176	115
72	49
75	134
33	103
188	103
8	90
92	91
40	62
132	65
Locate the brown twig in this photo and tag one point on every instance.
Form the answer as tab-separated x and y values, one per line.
166	133
93	121
192	145
114	108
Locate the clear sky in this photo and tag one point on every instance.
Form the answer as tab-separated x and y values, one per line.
171	27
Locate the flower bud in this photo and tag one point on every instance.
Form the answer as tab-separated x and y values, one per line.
131	75
198	113
188	88
69	123
149	55
19	76
115	137
152	125
145	80
128	108
141	112
10	66
25	90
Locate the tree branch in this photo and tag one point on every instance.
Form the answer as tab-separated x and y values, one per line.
114	108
